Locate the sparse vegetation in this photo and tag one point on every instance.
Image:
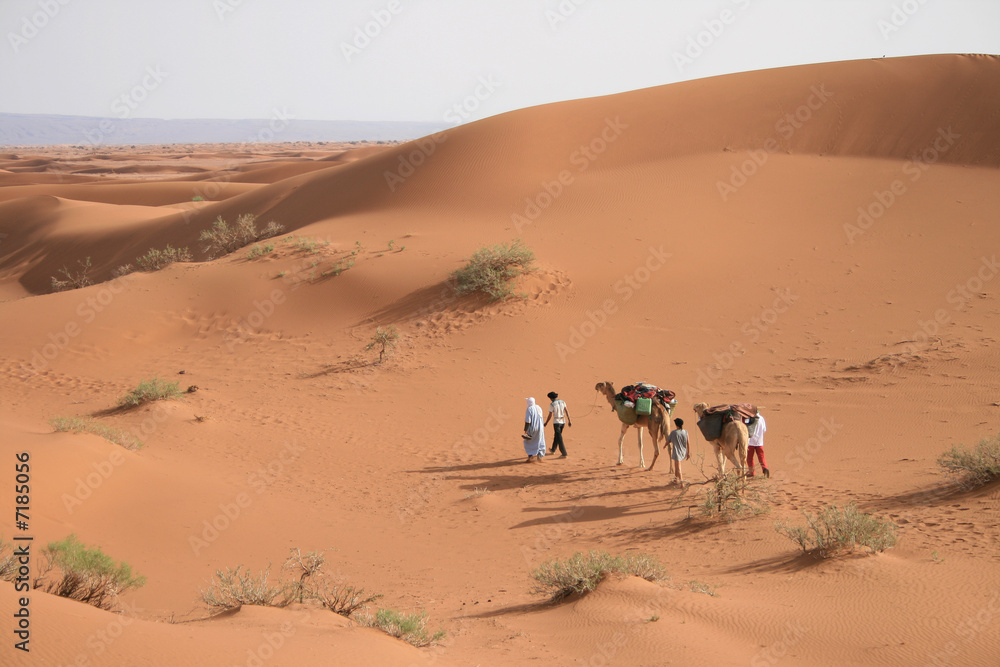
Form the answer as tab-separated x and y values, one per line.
154	260
147	391
87	575
224	238
837	530
74	279
259	250
580	574
8	564
411	628
392	243
307	245
700	587
732	497
974	467
197	198
385	339
492	270
478	493
237	587
123	270
119	436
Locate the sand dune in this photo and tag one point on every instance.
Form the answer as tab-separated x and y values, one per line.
835	266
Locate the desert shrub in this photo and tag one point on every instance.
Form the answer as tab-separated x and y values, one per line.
732	497
411	628
8	564
74	279
154	260
154	389
492	270
840	529
384	339
976	466
122	270
87	575
259	250
308	245
343	600
580	574
235	587
224	238
700	587
118	436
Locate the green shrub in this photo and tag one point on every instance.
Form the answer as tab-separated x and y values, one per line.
840	529
118	436
580	574
733	497
224	238
154	260
87	575
148	391
384	339
74	280
411	628
977	466
492	270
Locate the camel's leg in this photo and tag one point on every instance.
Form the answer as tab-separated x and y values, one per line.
621	445
720	459
642	461
654	434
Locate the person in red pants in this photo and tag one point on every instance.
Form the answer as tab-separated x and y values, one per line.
756	446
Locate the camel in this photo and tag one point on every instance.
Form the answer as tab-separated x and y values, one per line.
657	423
732	444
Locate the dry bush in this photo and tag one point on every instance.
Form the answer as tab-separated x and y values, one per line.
837	530
580	574
119	436
154	260
148	391
974	467
733	497
411	628
224	238
74	280
237	587
87	575
8	564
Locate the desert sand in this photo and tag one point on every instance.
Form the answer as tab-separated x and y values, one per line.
820	241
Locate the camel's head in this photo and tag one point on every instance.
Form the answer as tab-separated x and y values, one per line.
700	409
606	388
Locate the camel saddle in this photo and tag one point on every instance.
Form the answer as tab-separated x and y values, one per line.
731	412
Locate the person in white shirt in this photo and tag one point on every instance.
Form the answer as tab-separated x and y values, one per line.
559	414
756	446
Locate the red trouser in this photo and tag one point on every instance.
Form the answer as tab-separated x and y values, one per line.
760	457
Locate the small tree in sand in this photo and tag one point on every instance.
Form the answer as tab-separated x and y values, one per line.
384	339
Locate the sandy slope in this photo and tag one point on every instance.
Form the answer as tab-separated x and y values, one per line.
692	235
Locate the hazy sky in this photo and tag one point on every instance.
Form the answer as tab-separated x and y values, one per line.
312	59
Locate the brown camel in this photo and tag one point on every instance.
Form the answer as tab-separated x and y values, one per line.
732	444
657	423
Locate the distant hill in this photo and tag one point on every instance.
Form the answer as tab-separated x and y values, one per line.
40	129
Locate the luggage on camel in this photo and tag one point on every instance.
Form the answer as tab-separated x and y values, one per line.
641	396
626	413
715	417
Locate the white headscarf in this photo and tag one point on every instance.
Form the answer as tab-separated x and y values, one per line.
533	416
